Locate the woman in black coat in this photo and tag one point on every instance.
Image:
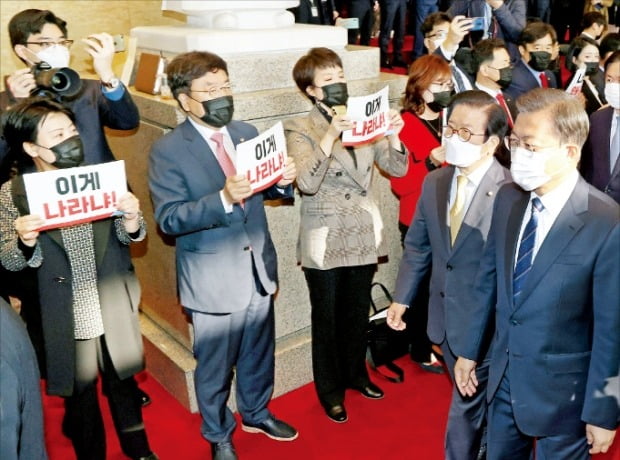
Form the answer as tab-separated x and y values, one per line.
88	291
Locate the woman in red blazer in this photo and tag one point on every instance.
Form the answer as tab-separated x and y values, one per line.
428	92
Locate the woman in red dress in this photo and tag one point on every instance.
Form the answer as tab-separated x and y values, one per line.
428	92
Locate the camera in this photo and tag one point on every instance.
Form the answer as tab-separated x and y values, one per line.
63	81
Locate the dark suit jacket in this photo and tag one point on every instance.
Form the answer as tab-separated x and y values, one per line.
21	417
509	20
217	253
595	157
119	297
303	13
523	80
427	245
92	112
559	344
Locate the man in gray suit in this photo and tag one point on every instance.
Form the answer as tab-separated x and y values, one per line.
226	261
448	232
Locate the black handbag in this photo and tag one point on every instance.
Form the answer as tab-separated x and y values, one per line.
384	344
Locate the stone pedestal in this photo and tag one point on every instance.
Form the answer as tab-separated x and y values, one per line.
264	93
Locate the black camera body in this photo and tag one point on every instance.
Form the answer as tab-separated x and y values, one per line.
63	80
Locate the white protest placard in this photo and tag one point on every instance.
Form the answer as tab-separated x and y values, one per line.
576	83
73	196
263	158
371	117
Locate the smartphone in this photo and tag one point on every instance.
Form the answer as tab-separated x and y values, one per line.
477	23
119	43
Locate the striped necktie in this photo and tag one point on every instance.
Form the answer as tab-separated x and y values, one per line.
526	250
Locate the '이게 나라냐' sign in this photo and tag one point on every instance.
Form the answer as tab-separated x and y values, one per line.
71	196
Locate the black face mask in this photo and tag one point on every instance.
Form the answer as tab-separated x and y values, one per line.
591	68
539	60
335	94
218	111
69	153
505	77
441	100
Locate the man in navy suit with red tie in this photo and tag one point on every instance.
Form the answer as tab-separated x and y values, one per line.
600	165
548	280
536	45
226	261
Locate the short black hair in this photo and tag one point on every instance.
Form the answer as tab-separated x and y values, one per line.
497	122
535	31
615	57
28	22
21	123
593	17
187	67
432	20
483	52
575	48
307	65
609	44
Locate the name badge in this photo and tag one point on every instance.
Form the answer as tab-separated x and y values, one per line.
315	11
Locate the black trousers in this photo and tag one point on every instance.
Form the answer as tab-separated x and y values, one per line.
416	316
83	421
340	299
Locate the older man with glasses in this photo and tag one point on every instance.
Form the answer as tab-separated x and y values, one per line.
446	238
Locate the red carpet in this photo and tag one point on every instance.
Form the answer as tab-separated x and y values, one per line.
407	424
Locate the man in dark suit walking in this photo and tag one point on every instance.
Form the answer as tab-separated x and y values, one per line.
600	165
448	233
536	46
226	261
548	278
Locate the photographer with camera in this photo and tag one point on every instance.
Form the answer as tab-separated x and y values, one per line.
38	37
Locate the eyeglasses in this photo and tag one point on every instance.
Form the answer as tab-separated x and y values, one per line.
443	86
47	44
464	134
441	34
214	92
513	143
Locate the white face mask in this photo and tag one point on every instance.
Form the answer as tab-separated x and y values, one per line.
438	42
461	154
612	94
55	55
528	168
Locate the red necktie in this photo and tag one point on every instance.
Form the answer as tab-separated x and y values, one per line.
222	156
503	105
544	81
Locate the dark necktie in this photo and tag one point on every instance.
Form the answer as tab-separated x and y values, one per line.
526	250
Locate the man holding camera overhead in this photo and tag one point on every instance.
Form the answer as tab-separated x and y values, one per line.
503	19
40	36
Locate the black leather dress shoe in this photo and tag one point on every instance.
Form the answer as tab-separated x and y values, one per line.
273	428
144	398
370	390
223	451
337	413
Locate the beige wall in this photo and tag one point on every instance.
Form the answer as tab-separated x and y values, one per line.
84	17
